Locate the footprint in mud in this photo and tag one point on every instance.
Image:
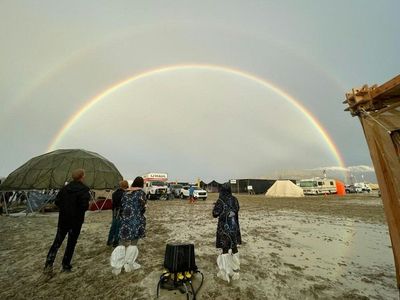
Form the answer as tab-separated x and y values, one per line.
293	267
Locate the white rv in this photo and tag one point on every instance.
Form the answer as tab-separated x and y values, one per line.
318	186
155	185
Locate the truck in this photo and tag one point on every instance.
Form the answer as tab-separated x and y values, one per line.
198	193
364	187
155	185
318	186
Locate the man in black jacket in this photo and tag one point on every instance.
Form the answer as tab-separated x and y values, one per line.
73	201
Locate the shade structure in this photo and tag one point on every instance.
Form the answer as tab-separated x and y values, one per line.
52	170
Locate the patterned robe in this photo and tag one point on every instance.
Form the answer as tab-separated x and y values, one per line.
228	231
133	220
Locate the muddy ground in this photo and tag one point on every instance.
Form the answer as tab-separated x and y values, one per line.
310	248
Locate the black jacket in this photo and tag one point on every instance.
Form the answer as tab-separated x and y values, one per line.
73	201
116	199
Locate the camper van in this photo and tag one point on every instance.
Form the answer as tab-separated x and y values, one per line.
318	186
155	185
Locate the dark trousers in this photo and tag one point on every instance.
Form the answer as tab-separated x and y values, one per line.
226	250
73	234
114	232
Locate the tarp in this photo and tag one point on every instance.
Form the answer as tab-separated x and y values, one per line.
37	200
284	188
52	170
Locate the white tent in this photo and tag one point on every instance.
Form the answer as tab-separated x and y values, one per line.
284	188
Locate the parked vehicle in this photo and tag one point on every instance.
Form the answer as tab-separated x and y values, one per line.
198	193
350	189
318	186
175	190
363	186
155	185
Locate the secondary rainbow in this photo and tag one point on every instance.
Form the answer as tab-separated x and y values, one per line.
296	103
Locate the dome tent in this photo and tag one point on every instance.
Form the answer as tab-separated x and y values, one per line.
284	188
53	169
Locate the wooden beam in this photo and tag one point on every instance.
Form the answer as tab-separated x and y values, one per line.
394	83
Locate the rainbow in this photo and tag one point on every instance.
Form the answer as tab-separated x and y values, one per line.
296	103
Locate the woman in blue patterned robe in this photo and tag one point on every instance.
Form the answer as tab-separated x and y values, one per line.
132	218
226	209
132	228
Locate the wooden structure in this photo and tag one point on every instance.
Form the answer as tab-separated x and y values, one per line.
378	109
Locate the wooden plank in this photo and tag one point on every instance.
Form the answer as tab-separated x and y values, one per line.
387	88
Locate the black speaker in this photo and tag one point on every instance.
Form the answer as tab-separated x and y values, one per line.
179	258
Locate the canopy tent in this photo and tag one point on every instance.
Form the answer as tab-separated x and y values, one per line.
284	188
52	170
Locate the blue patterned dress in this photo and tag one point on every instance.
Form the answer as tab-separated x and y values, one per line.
133	220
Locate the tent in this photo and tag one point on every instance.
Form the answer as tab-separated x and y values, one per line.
340	188
52	170
284	188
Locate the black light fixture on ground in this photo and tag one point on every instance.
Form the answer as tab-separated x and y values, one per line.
180	270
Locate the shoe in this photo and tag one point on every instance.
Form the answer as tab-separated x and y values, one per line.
235	276
48	270
66	268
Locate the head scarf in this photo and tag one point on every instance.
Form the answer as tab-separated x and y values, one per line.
225	190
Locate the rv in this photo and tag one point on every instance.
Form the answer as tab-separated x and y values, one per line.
318	186
155	185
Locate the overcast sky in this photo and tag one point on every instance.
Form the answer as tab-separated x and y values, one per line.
196	122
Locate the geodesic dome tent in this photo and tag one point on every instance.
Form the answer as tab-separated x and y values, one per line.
52	170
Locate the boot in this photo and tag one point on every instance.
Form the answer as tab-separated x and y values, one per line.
132	253
223	265
235	264
117	259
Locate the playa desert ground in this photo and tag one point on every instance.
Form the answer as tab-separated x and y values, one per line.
310	248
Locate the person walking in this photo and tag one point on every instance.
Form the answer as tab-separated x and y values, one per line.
132	228
191	194
116	207
228	235
73	201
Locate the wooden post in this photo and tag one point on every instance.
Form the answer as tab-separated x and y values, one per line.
378	109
